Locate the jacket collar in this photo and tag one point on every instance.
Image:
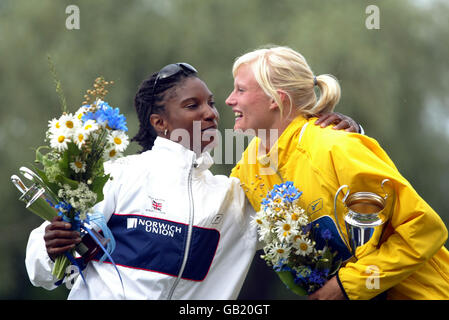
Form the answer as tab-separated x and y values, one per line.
178	154
280	150
292	130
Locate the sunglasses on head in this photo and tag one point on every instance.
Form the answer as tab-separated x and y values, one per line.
171	70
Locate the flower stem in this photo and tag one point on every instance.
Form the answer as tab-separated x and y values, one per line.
57	84
61	264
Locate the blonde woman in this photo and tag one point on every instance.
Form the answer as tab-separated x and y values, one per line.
274	96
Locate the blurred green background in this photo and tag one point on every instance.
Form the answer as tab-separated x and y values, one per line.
395	82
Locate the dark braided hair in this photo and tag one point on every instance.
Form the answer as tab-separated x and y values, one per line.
145	107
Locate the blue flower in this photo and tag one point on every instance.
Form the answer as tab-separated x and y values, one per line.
105	113
89	116
281	266
115	120
318	277
302	275
291	194
326	234
286	191
307	228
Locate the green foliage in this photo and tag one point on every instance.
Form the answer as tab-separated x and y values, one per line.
394	80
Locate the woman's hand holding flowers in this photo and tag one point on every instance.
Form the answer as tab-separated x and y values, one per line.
59	237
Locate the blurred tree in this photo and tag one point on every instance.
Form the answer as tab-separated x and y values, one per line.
394	82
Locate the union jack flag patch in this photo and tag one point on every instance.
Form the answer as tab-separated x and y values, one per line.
156	205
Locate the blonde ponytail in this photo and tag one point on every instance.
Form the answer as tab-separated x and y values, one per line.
330	93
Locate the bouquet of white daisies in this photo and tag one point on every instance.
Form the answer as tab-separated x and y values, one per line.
71	173
290	246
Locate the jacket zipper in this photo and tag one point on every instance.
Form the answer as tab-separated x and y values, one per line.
189	233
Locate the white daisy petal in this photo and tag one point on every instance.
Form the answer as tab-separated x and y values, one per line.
80	138
90	126
119	140
111	154
69	122
78	166
279	251
54	125
283	229
81	111
303	246
59	140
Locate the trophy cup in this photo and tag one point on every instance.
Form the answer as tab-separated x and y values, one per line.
40	200
364	212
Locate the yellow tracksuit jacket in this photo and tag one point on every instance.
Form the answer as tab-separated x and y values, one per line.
411	262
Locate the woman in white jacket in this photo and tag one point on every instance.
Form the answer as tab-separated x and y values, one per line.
180	232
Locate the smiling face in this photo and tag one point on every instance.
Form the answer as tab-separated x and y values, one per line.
190	116
249	102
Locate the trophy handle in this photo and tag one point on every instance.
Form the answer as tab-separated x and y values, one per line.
33	177
19	184
335	211
382	186
388	195
390	213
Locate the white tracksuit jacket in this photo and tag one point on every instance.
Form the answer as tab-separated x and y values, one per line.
181	232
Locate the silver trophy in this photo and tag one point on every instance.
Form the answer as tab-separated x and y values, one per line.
364	212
